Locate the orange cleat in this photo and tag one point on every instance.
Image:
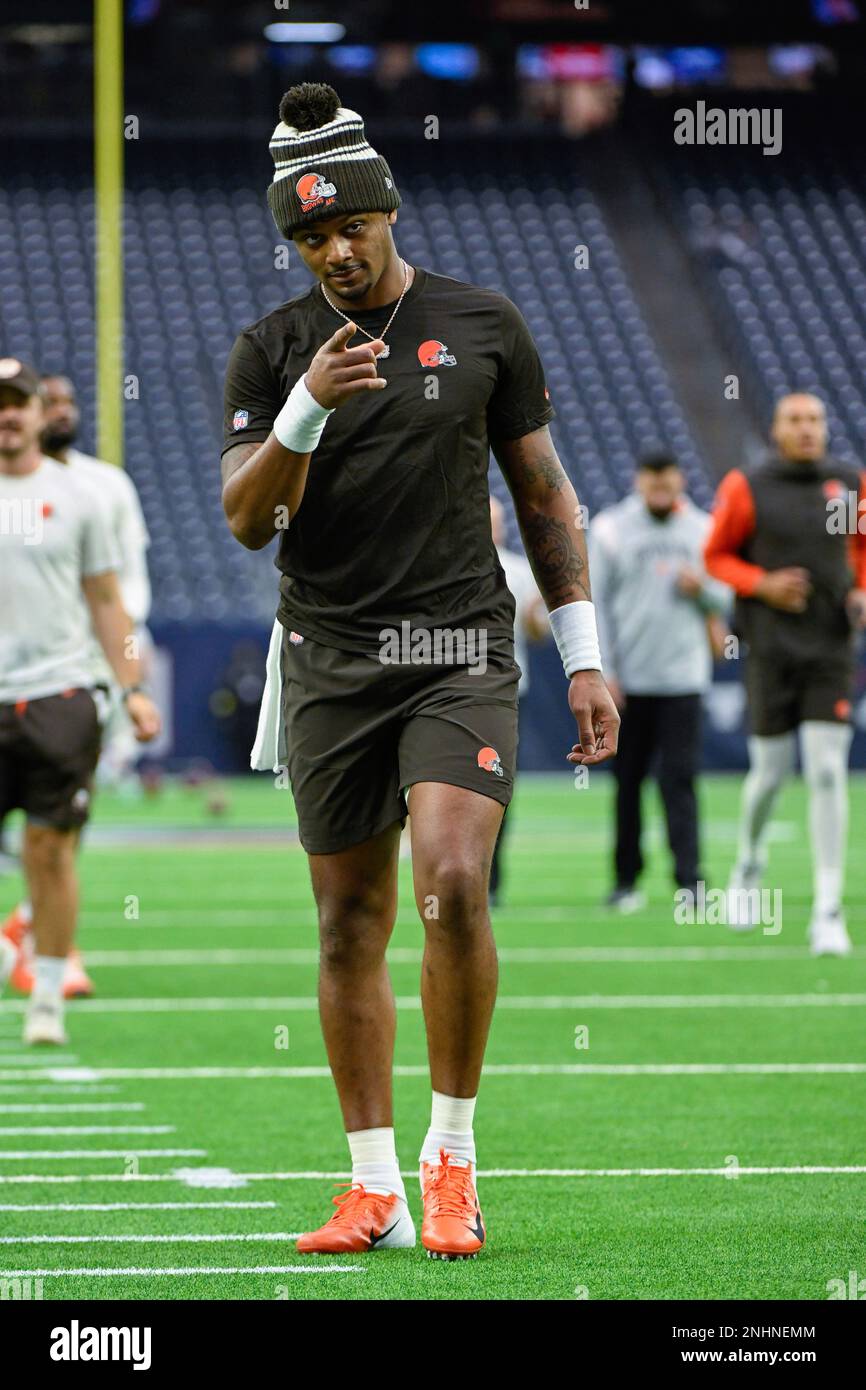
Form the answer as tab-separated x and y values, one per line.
453	1227
77	984
22	977
363	1221
15	927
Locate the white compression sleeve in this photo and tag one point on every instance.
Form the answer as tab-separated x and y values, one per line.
824	748
771	760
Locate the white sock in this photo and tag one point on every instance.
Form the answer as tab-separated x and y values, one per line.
824	748
450	1129
48	973
771	759
374	1161
25	911
8	957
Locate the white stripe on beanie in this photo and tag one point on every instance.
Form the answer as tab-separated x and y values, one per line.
286	170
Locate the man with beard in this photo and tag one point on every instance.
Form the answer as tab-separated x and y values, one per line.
119	748
654	602
59	585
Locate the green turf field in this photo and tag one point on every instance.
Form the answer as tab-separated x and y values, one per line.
709	1053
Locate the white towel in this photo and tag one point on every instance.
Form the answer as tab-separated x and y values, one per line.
269	749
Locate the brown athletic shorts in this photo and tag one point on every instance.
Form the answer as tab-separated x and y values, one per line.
48	752
783	693
360	732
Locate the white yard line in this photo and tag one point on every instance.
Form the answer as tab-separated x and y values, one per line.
137	1206
192	1271
181	1239
508	955
19	1088
48	1131
316	1073
523	1003
338	1175
131	1152
81	1107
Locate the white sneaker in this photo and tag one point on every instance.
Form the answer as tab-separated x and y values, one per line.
743	898
828	935
626	901
8	957
43	1023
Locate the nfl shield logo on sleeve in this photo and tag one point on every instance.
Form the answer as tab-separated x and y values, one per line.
240	419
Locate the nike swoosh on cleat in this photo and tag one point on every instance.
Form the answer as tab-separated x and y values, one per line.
478	1229
374	1239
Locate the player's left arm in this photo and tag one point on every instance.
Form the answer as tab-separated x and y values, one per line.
116	636
550	523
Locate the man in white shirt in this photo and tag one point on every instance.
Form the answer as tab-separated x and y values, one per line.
129	529
59	583
119	744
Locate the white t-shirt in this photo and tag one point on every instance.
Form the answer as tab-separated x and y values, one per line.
521	582
128	527
53	533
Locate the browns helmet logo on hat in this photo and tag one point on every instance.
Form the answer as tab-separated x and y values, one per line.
313	190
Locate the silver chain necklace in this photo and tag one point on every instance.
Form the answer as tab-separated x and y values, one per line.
386	351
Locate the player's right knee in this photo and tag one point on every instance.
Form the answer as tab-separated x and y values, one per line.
353	932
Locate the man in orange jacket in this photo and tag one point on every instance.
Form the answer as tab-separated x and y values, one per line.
783	539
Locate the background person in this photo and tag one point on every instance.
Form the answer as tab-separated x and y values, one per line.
58	581
801	595
654	601
120	748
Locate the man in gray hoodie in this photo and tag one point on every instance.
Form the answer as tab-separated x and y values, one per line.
658	618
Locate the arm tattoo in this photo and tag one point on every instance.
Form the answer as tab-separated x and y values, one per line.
559	568
533	467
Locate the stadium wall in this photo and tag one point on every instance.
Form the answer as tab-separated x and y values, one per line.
212	674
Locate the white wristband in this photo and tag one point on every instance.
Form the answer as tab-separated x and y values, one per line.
301	421
576	636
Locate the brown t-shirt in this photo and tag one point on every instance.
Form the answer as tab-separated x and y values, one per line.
394	525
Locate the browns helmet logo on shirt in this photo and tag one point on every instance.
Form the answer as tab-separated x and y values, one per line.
488	759
314	190
435	354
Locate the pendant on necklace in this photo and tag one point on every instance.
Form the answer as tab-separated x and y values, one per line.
386	352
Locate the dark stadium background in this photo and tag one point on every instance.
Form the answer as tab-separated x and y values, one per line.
555	131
